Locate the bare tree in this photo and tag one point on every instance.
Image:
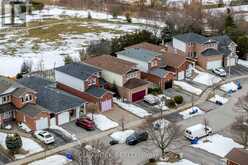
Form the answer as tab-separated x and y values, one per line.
163	136
96	153
122	121
92	108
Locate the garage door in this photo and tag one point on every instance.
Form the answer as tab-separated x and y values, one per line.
106	105
138	95
168	84
214	64
42	123
231	61
180	75
63	118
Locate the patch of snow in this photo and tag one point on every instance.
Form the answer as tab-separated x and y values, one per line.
191	112
65	132
121	136
206	78
51	160
218	98
102	122
217	144
8	126
181	162
27	144
140	112
187	87
229	86
161	122
243	62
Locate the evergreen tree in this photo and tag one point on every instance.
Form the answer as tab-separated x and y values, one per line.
68	60
13	142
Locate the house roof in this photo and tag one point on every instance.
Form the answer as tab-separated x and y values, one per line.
211	52
95	91
134	83
238	155
111	63
22	90
223	40
78	70
192	38
139	54
32	109
173	60
5	84
34	82
159	72
149	46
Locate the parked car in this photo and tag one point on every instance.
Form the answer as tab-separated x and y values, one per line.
44	136
160	123
136	138
24	127
220	72
151	99
86	123
197	131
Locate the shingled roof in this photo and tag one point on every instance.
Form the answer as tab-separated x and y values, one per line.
149	46
134	83
211	52
238	155
192	38
110	63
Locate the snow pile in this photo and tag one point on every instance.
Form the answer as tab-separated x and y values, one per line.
193	111
181	162
140	112
218	98
229	87
51	160
121	136
187	87
243	62
218	145
27	144
206	78
102	122
65	132
162	107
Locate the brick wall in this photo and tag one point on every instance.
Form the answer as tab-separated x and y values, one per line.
17	101
203	60
157	80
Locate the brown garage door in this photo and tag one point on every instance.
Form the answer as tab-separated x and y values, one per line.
138	95
168	84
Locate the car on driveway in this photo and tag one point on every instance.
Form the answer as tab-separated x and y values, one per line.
24	127
197	131
220	72
44	136
136	138
86	123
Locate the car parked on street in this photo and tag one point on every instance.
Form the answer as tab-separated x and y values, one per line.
86	123
44	136
136	138
220	72
197	131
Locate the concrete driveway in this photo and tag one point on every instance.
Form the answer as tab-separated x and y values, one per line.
237	70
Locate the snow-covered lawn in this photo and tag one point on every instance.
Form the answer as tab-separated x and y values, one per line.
102	122
189	112
65	132
218	145
121	136
187	87
218	98
27	144
243	62
181	162
51	160
140	112
206	78
229	86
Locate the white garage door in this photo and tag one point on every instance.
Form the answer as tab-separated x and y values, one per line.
63	118
180	75
42	123
214	64
231	61
106	105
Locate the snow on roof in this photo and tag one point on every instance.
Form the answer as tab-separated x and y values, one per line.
195	127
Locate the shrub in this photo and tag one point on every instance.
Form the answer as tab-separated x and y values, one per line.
178	99
128	18
170	103
13	142
154	91
89	15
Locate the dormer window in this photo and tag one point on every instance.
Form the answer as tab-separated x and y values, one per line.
27	98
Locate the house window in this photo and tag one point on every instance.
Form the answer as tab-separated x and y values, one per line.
22	99
132	75
154	63
4	99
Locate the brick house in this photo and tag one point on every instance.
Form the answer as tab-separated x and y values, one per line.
84	81
149	63
123	74
208	53
237	156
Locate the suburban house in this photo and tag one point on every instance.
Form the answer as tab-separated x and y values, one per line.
123	74
171	62
237	156
149	63
83	81
208	53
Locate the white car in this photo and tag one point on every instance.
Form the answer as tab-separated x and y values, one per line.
197	131
220	72
24	127
44	136
151	99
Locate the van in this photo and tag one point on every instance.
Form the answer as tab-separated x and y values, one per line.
197	131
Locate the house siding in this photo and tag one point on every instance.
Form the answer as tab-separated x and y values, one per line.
157	80
179	44
17	101
112	78
203	60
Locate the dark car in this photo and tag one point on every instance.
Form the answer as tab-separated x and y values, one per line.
86	123
136	138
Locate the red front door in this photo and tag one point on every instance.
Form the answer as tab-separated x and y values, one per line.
138	95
